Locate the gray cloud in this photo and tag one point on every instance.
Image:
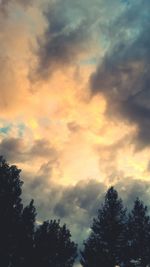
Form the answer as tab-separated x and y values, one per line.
62	40
77	205
42	148
83	195
12	149
129	189
123	76
15	150
74	205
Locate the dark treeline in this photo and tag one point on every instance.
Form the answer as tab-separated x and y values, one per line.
117	237
22	242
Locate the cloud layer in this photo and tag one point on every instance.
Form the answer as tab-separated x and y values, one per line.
74	102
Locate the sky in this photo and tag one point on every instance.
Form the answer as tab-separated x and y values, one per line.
75	103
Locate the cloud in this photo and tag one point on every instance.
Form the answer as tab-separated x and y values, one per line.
63	39
71	33
18	150
83	196
5	3
12	148
129	189
42	148
73	126
123	76
77	205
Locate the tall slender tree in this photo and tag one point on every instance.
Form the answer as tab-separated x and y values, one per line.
10	211
105	243
138	235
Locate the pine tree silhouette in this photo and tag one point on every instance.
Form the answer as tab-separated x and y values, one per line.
10	211
25	251
53	246
16	223
138	235
105	243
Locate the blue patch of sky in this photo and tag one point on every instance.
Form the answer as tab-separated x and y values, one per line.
5	129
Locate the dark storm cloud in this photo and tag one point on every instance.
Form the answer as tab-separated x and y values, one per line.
124	75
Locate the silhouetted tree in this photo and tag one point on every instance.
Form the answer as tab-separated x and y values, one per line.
25	251
53	246
10	211
16	223
105	244
138	235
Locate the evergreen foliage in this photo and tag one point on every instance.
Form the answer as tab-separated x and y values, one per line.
138	234
118	239
105	244
53	246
